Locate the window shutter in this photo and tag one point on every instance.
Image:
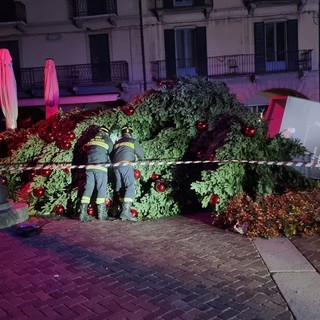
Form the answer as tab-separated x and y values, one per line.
198	2
167	4
259	46
169	44
100	58
292	44
201	47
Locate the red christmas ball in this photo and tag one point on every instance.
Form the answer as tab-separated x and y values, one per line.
199	154
134	212
50	137
58	209
155	176
249	131
108	203
38	192
31	176
212	157
66	145
55	128
71	135
128	110
202	125
214	199
66	170
90	210
137	174
161	186
45	172
4	180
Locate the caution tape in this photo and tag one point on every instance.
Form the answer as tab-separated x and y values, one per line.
19	167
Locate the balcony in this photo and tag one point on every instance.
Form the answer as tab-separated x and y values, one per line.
78	79
13	16
233	65
169	7
252	4
93	13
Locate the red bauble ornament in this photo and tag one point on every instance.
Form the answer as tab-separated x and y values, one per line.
134	212
71	135
66	170
137	174
90	211
249	131
108	203
45	172
50	137
128	110
199	154
212	157
161	186
59	209
155	176
65	145
54	128
38	192
202	125
4	180
31	176
214	199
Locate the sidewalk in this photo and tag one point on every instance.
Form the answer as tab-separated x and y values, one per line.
171	269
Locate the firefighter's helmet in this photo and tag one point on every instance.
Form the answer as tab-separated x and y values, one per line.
126	130
104	129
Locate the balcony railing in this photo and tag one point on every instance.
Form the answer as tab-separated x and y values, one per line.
82	8
71	76
13	13
163	7
176	4
232	65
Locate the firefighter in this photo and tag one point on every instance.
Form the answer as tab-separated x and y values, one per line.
125	151
98	150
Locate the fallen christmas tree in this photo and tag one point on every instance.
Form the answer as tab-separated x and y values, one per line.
192	121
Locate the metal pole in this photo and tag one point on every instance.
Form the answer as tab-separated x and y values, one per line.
142	48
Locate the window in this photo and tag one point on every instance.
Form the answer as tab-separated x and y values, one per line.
186	52
182	3
275	35
100	58
276	46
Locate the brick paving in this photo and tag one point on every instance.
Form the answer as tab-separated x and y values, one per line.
178	268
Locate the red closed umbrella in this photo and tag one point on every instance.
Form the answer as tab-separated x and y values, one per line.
51	88
8	90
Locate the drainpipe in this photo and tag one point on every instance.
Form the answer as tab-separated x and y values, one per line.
142	48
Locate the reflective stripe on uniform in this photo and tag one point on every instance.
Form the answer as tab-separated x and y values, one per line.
124	144
98	143
85	200
100	200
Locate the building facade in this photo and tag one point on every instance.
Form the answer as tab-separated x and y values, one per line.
108	51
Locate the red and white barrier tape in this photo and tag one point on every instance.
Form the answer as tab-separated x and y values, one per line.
159	163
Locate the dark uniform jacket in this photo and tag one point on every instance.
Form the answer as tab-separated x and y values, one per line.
125	150
98	150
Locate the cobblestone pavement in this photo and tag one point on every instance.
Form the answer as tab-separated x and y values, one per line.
174	268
